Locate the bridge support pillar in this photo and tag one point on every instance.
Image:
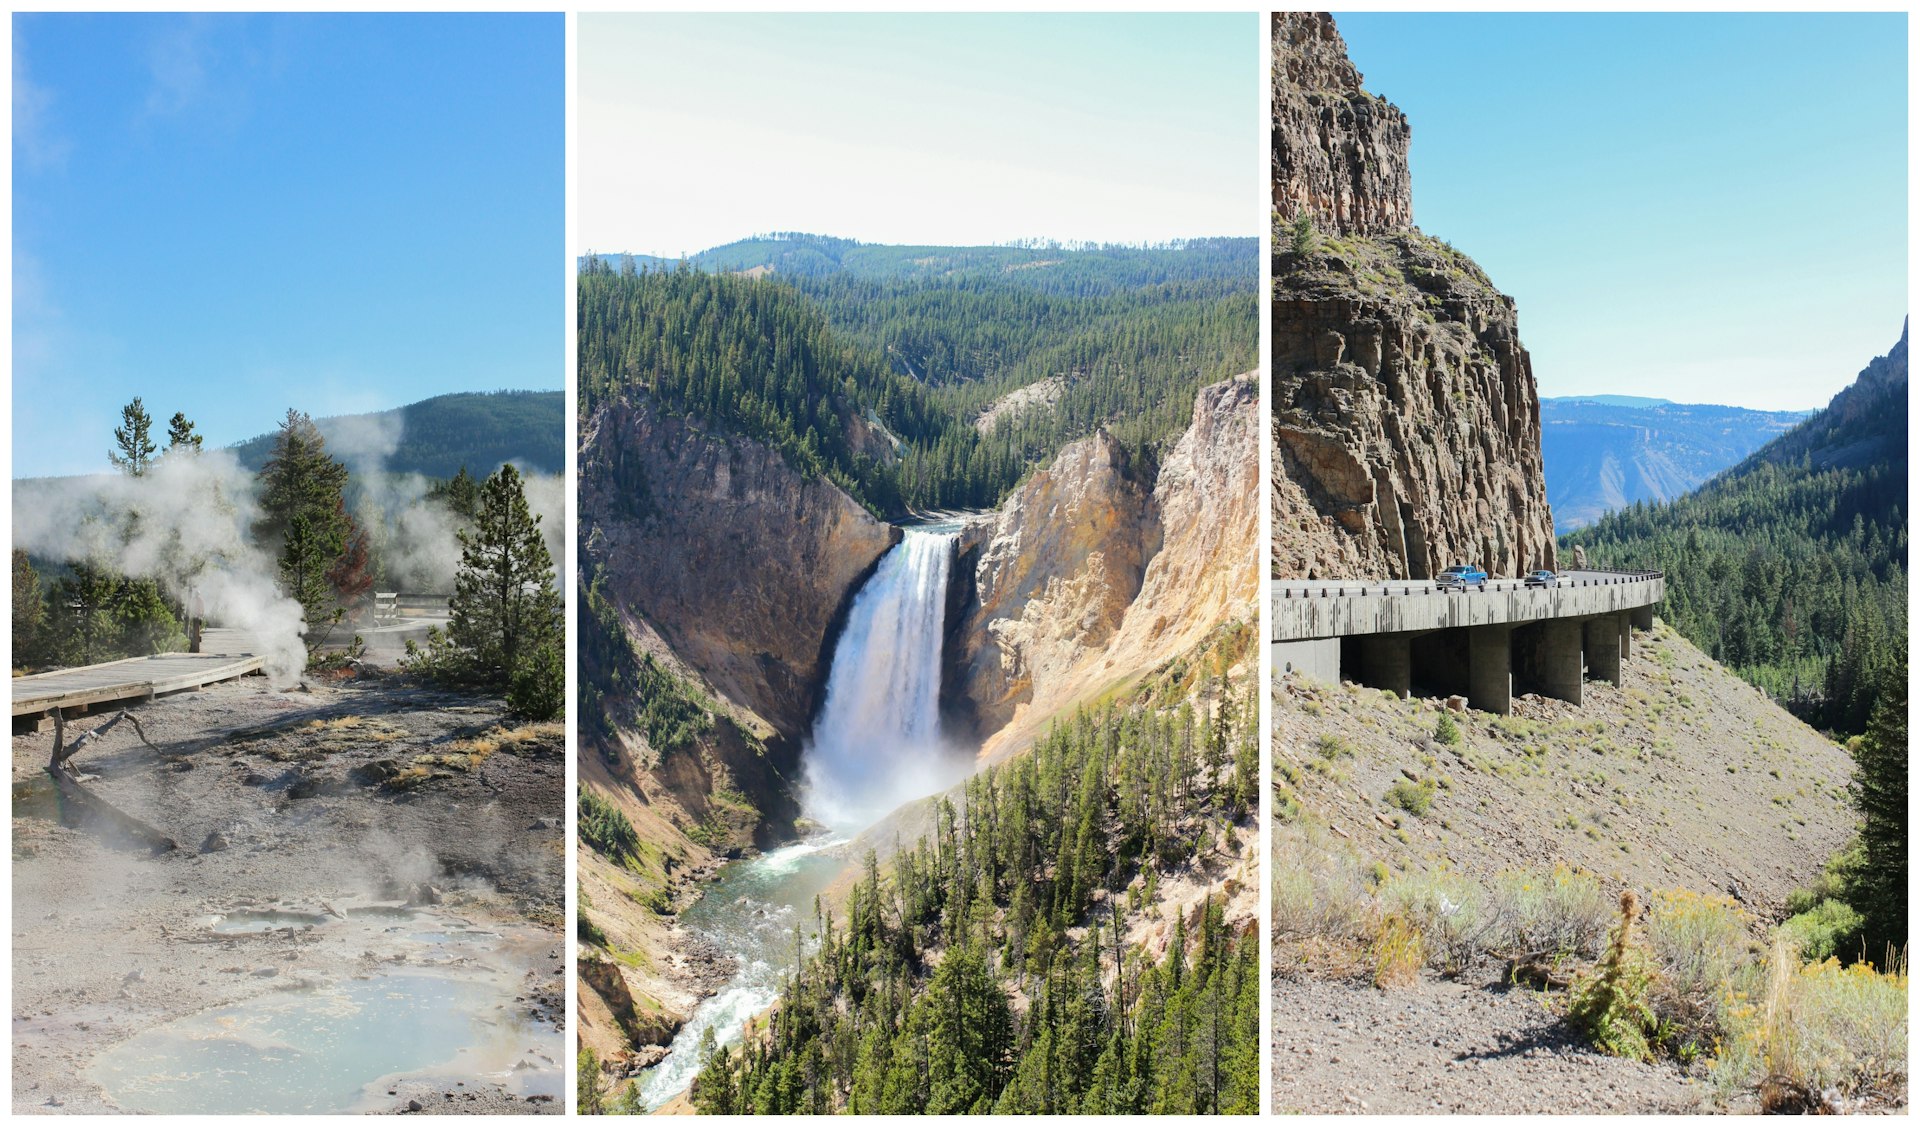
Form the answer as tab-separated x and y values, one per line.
1315	658
1550	658
1490	668
1624	623
1603	648
1642	617
1386	662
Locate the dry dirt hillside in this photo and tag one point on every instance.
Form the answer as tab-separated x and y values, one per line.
1684	780
1682	776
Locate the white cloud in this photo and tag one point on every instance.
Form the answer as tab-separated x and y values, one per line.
34	140
177	62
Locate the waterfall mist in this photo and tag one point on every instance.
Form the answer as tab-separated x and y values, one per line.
877	741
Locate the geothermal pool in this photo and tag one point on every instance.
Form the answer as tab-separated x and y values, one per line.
440	1007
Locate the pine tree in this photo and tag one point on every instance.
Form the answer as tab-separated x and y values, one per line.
302	497
1877	886
589	1088
180	434
505	608
134	448
29	611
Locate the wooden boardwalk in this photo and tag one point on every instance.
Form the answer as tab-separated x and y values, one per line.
225	654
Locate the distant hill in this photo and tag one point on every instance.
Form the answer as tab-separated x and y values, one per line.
1605	452
1048	268
435	437
1791	567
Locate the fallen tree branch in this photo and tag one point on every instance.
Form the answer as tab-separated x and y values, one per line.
62	751
80	804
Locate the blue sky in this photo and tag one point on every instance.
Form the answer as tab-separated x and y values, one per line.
1706	208
231	215
943	129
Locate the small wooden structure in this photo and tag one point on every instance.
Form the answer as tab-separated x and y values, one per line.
227	654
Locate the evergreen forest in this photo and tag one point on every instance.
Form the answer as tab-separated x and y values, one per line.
1791	568
997	965
879	376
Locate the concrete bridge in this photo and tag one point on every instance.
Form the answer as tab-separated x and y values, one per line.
1484	643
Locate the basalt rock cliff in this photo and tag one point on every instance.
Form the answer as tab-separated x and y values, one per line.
1406	425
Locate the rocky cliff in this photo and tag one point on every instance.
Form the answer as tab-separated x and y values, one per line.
742	565
1406	425
730	572
1056	574
1339	153
1086	580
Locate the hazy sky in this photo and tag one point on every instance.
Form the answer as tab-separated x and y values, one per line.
231	215
1706	208
946	129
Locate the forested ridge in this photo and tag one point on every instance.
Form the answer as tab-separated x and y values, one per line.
985	969
438	437
1042	265
1791	567
874	377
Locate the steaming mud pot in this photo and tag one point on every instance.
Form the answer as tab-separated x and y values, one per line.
363	914
875	745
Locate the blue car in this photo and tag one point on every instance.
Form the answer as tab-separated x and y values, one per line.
1460	577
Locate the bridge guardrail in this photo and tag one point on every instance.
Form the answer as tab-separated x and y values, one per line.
1613	577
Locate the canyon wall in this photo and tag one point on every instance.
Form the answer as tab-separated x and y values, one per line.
1086	580
1406	425
743	565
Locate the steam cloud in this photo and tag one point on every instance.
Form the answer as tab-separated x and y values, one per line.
187	524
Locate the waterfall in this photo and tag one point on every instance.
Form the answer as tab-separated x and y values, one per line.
876	742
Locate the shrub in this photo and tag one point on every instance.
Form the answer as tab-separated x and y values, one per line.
1612	1002
1446	731
1399	951
539	687
1700	945
1824	930
1560	915
1414	798
1447	910
1319	891
1331	746
1819	1027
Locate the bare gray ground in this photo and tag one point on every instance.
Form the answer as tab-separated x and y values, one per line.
1446	1046
258	788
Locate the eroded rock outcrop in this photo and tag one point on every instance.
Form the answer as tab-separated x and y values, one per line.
1406	424
741	564
1086	580
1054	577
1339	153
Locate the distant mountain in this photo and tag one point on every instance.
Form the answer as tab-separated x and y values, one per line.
1047	267
435	437
1791	567
1604	452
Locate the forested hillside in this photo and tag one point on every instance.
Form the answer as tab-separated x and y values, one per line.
880	375
1076	269
1791	567
994	966
477	431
